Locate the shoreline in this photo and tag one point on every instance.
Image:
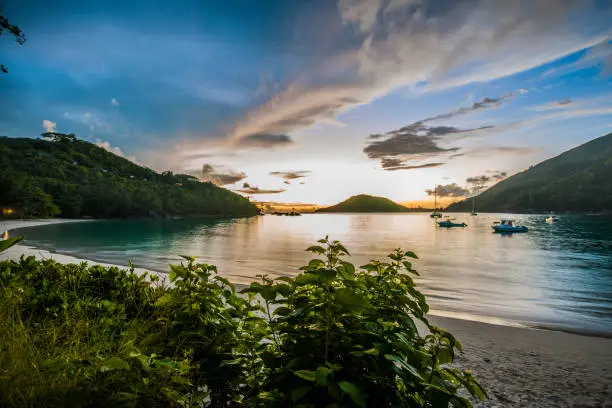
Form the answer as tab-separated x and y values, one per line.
518	365
16	251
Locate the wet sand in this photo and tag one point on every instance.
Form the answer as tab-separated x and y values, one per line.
518	367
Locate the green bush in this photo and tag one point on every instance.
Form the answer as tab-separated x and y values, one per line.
333	336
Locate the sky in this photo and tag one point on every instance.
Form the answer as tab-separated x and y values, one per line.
313	101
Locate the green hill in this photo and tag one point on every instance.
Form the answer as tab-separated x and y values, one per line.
365	203
68	177
579	180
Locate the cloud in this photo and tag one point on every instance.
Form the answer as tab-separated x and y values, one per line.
419	140
286	182
448	190
114	150
114	102
562	104
599	54
478	183
266	140
257	190
484	103
503	150
92	120
49	126
418	166
291	175
428	44
209	174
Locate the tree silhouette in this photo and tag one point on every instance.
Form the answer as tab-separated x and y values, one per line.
20	37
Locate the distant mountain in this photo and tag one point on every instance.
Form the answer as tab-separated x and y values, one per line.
73	178
363	204
579	180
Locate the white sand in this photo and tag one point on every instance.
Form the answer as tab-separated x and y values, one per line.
534	368
518	367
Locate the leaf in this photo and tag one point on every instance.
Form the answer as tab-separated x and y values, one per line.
348	298
298	393
349	267
321	375
115	363
411	254
316	249
353	391
313	264
306	279
326	275
403	364
306	375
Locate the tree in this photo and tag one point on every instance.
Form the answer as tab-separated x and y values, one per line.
20	37
59	137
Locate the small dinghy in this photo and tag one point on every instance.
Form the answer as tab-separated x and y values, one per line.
508	226
448	223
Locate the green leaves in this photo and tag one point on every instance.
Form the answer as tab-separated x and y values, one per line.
7	243
347	298
332	336
114	363
306	375
354	392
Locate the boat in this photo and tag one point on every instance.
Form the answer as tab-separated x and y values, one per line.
552	218
435	213
448	223
508	226
473	209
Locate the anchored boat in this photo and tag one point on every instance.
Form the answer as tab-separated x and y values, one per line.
448	223
435	213
552	218
508	226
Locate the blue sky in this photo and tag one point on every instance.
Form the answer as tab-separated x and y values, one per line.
234	91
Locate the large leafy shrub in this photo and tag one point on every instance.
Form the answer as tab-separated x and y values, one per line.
333	336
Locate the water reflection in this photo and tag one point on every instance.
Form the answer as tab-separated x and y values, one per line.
556	274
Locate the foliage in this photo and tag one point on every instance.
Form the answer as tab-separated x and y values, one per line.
74	178
13	30
576	181
341	337
7	243
81	336
366	203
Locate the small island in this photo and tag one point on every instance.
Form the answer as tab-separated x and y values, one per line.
364	203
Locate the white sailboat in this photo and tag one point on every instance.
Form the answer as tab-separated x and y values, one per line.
436	213
473	206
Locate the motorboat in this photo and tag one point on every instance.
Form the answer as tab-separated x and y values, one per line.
552	218
448	223
508	226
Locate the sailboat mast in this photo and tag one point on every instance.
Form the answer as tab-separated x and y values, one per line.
435	197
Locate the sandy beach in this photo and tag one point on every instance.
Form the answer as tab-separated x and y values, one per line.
534	368
519	367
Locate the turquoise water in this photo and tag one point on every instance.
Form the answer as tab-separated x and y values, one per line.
555	276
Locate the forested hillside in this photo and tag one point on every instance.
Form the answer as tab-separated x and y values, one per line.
68	177
578	180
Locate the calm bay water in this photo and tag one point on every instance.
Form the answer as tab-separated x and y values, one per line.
556	276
